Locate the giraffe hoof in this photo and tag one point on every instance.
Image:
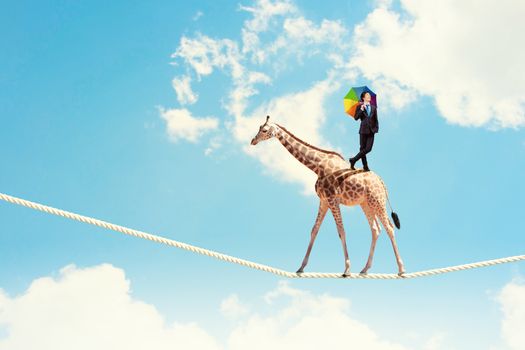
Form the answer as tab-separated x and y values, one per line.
401	274
363	272
299	271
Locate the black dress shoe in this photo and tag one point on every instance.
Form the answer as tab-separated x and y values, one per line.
352	162
366	168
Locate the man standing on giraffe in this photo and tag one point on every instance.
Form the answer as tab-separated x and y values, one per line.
367	113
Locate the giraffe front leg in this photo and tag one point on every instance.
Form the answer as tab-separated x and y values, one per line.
336	212
323	207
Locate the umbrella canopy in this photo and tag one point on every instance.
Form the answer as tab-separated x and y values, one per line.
351	99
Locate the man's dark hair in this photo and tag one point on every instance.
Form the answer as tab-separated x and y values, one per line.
363	94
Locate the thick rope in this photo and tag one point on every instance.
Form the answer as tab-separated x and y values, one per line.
243	262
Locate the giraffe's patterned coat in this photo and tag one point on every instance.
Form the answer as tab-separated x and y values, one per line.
337	184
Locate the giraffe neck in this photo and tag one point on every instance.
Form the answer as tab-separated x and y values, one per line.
313	158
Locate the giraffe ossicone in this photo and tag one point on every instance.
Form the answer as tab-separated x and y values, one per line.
338	184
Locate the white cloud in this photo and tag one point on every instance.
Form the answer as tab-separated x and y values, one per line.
215	143
185	94
383	3
91	308
244	87
197	15
306	321
182	125
461	54
264	12
204	54
301	113
512	302
301	37
435	342
231	307
300	28
295	35
391	95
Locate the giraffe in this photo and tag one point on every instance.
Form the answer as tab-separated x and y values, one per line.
338	184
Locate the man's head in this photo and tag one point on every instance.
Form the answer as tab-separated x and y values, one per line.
365	96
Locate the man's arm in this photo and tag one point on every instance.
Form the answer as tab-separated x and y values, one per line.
358	113
377	119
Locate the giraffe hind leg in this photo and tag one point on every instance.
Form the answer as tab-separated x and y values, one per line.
389	227
375	228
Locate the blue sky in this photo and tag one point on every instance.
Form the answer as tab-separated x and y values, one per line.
93	123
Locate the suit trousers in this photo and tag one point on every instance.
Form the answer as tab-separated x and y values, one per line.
366	141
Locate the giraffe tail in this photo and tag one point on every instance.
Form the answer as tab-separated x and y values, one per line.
395	217
396	220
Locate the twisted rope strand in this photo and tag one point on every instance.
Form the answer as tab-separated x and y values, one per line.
243	262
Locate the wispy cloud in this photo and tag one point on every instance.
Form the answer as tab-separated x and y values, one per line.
231	307
197	15
181	125
185	94
215	143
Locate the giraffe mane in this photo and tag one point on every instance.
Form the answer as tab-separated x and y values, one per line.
309	145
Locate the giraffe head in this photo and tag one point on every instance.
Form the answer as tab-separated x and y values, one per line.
266	131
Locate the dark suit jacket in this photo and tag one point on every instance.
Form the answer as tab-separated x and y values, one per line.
369	124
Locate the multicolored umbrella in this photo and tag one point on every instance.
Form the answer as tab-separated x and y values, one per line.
351	99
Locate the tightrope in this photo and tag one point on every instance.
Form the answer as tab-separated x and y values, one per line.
250	264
